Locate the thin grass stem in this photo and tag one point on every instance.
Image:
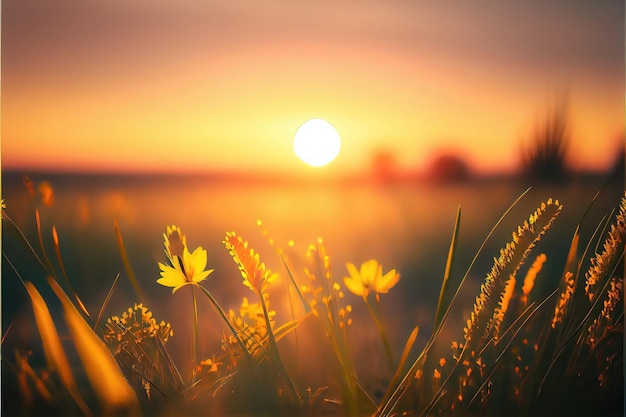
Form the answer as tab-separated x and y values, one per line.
195	335
127	266
222	315
275	353
106	302
49	268
57	250
381	329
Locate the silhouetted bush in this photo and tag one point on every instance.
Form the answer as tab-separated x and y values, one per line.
545	158
448	168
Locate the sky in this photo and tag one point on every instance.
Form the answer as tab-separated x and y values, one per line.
191	85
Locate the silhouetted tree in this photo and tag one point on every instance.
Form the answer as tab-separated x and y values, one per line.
384	166
448	168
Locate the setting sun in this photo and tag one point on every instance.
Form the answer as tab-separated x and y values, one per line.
316	142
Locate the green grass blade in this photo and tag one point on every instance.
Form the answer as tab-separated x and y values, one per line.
224	318
405	355
127	266
106	301
307	308
57	251
442	304
24	240
48	264
286	328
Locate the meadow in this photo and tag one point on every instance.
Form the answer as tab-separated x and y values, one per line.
172	295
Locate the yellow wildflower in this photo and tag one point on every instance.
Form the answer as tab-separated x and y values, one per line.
370	277
185	267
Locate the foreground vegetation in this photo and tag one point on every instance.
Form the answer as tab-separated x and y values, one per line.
525	349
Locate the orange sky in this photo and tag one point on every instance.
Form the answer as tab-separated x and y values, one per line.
195	85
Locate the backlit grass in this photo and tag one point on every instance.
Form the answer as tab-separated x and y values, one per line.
524	349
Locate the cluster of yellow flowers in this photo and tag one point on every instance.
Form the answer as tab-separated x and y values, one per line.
252	328
138	324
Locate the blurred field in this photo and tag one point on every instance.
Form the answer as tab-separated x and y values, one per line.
406	226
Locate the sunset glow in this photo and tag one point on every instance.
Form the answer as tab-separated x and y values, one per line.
220	86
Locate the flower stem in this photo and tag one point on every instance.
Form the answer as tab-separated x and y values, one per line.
273	348
381	330
195	335
222	315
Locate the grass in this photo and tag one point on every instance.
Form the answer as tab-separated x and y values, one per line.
525	349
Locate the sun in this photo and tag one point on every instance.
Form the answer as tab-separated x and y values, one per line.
316	142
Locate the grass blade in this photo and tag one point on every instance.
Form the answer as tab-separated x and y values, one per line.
57	250
405	354
53	350
48	265
307	308
127	266
101	368
23	238
441	305
106	301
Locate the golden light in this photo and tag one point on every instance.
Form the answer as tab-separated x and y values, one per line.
316	142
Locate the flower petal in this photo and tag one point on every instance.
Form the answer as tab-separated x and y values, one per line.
355	286
384	284
369	270
202	276
354	273
170	276
198	258
182	285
